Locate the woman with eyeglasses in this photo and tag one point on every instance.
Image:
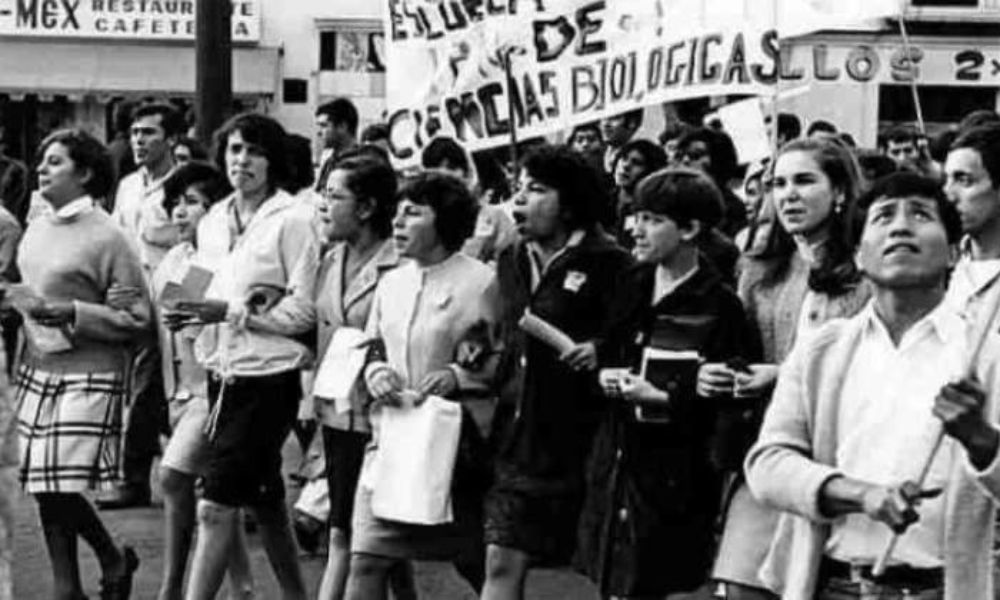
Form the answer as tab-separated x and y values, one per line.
71	381
333	288
804	277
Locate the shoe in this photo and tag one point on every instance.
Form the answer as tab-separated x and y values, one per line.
125	496
120	588
307	532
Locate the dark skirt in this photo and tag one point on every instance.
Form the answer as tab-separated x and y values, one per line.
455	541
250	419
345	453
648	523
535	515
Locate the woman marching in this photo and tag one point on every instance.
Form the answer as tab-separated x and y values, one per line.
188	193
648	525
804	277
71	380
563	271
251	241
434	319
334	289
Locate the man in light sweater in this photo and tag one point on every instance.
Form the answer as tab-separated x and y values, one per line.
139	211
856	414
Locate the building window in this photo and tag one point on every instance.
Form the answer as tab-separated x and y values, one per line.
945	3
942	105
295	91
352	50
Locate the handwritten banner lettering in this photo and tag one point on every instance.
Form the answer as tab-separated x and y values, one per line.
574	61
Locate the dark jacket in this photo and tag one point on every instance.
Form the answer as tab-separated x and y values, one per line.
14	193
653	489
547	412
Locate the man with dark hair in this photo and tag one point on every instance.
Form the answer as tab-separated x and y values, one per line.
902	144
820	128
120	146
13	184
337	129
849	442
789	128
139	211
618	130
972	184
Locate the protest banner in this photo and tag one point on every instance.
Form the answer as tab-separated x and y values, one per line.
574	61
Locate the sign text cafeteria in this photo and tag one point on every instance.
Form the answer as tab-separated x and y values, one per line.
131	19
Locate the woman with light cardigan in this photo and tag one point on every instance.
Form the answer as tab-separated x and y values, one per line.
251	241
71	380
434	317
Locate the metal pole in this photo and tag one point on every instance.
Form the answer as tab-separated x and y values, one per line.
511	113
913	79
213	65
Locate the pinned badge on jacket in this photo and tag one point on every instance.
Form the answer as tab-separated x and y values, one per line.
574	281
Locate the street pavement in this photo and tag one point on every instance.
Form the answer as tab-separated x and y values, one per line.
143	528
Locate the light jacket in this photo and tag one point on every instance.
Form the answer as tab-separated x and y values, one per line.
796	454
264	255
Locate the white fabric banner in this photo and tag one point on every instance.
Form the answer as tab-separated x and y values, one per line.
574	61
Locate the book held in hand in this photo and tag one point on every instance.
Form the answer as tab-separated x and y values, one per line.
676	373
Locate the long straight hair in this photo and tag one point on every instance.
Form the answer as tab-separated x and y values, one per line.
834	271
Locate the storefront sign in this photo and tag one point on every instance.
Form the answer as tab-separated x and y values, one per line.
122	19
578	60
938	64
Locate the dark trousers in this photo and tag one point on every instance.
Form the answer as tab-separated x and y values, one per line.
147	414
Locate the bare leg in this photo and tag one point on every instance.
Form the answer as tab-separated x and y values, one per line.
338	563
368	577
179	520
276	535
240	575
506	572
215	539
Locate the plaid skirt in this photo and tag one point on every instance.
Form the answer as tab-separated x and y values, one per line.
70	427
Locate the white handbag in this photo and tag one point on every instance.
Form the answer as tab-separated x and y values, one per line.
415	461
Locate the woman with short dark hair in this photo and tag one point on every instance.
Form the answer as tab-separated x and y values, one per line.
636	159
562	270
426	314
71	380
251	241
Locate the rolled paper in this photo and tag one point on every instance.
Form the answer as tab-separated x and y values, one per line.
545	332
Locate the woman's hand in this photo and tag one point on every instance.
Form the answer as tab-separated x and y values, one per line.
758	382
715	379
581	357
439	383
122	297
207	311
385	385
636	389
53	314
175	320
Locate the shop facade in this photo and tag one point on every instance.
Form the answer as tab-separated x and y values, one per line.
70	63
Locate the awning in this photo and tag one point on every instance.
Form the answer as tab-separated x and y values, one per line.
47	67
